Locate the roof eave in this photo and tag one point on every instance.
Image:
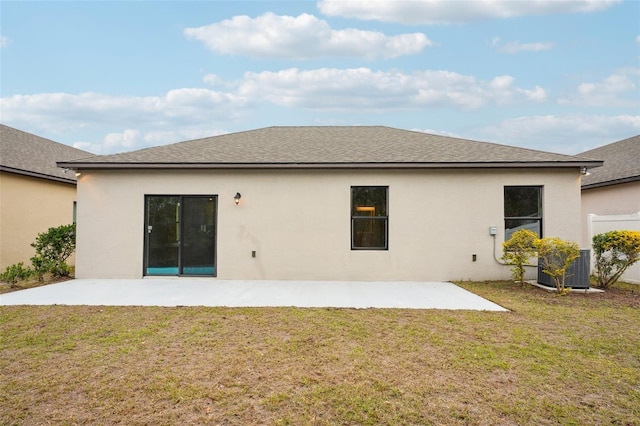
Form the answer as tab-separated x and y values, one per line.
360	165
611	182
29	173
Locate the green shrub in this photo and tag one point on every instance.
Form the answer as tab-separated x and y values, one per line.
518	250
40	267
556	256
615	251
53	248
15	273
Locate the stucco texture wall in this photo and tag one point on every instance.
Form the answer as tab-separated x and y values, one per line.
298	221
28	206
609	200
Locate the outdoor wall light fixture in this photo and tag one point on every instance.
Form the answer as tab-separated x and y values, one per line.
584	171
237	197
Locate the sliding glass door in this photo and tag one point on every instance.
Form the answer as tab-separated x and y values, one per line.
197	254
180	235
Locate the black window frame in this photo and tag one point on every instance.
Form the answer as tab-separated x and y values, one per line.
537	218
376	217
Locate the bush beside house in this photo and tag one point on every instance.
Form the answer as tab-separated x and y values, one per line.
53	248
615	252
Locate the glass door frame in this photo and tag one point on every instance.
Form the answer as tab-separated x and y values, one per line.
181	232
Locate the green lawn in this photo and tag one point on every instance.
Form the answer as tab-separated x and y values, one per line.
551	360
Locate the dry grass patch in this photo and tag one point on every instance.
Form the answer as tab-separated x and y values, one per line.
552	360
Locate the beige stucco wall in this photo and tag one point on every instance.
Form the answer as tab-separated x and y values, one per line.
609	200
28	206
298	221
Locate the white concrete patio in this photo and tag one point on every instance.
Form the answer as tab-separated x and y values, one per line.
241	293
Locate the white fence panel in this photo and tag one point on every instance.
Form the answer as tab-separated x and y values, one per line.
600	224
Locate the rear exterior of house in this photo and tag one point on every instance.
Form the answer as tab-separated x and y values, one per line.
35	194
319	203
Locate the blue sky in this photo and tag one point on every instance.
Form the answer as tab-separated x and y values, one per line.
112	76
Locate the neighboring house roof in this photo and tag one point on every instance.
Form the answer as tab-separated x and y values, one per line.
621	163
331	147
30	155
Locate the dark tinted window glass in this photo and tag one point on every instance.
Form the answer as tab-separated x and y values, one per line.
513	225
522	201
369	201
369	217
522	209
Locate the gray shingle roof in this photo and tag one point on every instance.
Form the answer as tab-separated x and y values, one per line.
331	147
621	163
27	154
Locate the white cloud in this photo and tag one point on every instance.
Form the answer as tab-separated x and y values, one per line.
132	139
4	41
638	39
131	122
447	11
517	47
365	89
436	132
213	80
325	88
502	82
301	37
190	105
620	89
570	134
127	139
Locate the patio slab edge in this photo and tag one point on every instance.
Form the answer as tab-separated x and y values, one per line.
253	293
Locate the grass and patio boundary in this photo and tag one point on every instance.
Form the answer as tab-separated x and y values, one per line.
552	360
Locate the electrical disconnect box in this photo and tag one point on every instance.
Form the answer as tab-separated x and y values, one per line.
493	230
